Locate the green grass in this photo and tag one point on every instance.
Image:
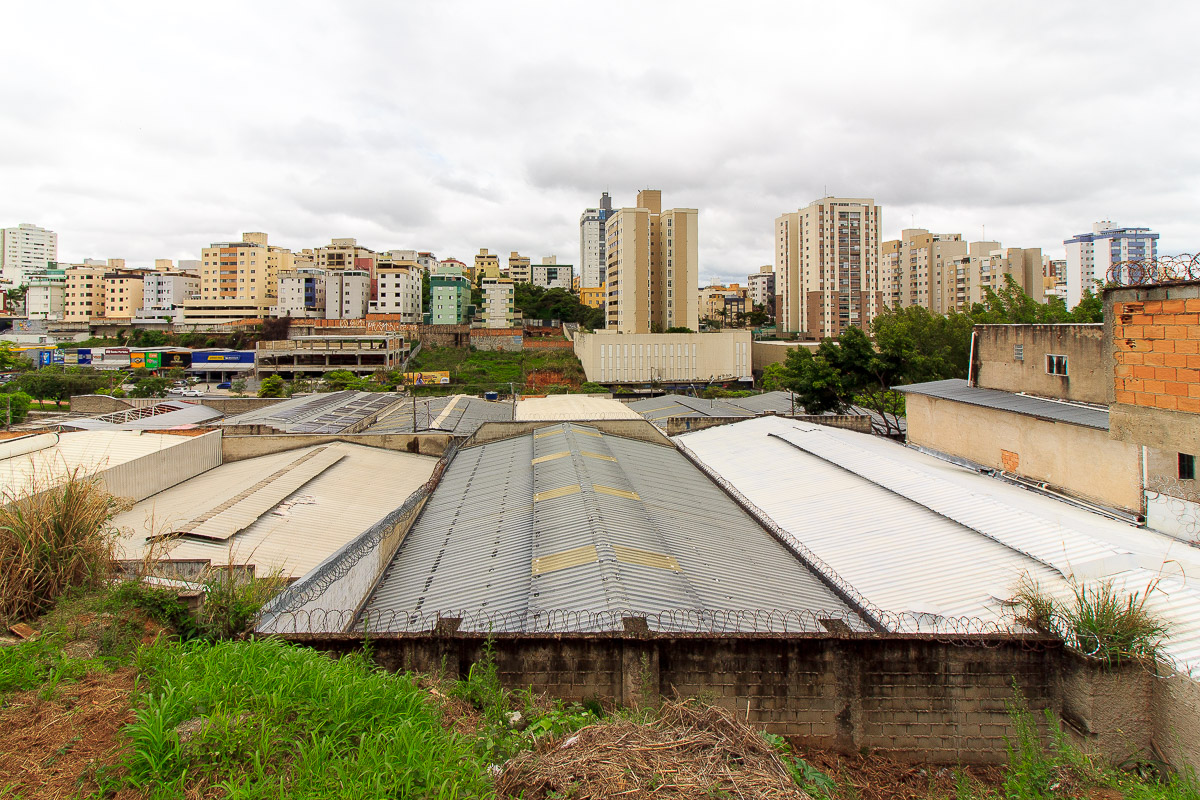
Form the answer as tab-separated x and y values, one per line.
476	371
273	721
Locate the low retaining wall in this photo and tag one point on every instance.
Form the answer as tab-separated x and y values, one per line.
854	422
97	404
238	448
494	339
915	698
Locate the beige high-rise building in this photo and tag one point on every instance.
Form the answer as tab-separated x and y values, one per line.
487	265
519	269
123	293
344	254
653	267
913	269
827	266
498	310
84	298
245	270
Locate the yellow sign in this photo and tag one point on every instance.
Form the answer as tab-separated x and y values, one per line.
426	378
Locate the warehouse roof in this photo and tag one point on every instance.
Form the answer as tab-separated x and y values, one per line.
43	459
566	527
287	510
573	406
1054	410
332	412
934	545
458	414
659	409
168	414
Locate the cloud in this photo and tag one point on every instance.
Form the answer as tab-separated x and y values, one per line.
150	131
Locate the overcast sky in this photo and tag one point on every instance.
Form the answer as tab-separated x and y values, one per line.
150	130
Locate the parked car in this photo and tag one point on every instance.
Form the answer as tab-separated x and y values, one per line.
192	393
176	390
225	385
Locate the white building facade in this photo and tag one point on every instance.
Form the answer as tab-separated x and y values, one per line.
1091	256
46	297
26	250
399	291
593	260
498	308
347	293
301	294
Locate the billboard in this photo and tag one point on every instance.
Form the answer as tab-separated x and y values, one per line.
176	360
83	356
219	357
426	378
145	360
48	357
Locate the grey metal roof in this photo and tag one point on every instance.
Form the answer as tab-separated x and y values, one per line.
458	414
658	409
331	412
568	528
957	389
168	414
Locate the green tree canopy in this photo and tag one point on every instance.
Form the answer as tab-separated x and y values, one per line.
271	386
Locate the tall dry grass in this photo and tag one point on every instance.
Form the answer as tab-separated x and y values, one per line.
53	538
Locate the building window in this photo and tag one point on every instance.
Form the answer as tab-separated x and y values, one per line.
1018	352
1187	467
1056	365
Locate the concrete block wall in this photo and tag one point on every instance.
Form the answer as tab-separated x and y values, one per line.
916	698
509	340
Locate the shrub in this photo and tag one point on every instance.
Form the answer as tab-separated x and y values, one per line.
51	540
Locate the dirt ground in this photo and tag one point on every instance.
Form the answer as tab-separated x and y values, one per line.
54	748
876	777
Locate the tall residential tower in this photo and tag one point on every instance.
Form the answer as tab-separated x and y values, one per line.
653	267
25	251
1090	256
827	266
592	259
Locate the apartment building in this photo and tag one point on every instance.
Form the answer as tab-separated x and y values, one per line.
25	251
347	293
165	292
827	266
913	269
247	270
592	297
653	266
593	262
498	308
399	289
760	287
425	260
301	294
722	305
487	265
449	294
344	254
84	297
551	275
1091	256
123	293
1023	264
518	267
46	294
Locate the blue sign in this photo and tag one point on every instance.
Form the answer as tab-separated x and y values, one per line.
48	357
216	359
85	355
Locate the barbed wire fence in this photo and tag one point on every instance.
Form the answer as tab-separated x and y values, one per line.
1159	269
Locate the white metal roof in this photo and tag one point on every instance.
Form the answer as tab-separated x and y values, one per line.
45	459
573	406
912	533
356	487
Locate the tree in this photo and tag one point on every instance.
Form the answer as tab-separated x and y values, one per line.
238	387
340	379
16	407
275	328
150	387
679	329
1090	308
773	377
271	386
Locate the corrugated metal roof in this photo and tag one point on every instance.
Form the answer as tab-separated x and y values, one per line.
87	452
331	412
170	414
958	390
573	406
525	532
458	414
914	534
294	534
658	409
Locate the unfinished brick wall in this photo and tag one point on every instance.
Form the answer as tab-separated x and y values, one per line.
917	698
1157	353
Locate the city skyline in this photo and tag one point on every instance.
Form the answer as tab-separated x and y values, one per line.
175	134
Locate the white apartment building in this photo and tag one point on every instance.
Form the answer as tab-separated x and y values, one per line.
593	261
168	291
1091	256
25	251
399	290
761	288
610	357
46	297
653	267
301	294
347	293
499	310
827	266
551	275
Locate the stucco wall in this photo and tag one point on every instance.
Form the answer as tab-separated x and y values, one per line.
237	448
996	365
1077	460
